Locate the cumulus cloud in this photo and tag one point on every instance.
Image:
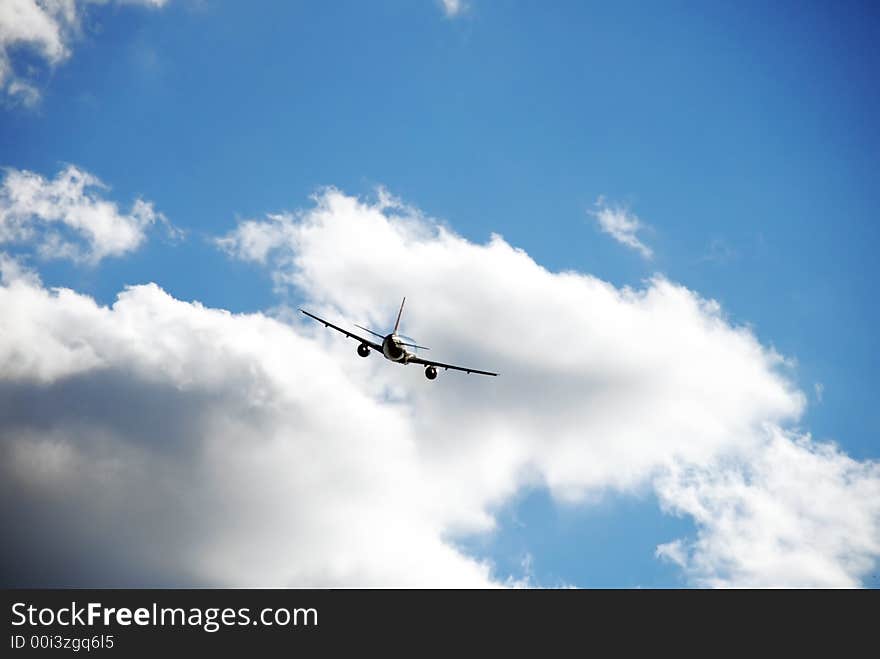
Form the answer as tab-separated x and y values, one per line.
622	225
628	389
794	514
66	218
160	442
46	29
171	444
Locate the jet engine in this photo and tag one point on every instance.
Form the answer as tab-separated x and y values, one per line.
431	373
363	350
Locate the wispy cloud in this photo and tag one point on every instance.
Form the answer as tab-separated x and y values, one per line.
45	29
622	225
719	252
454	8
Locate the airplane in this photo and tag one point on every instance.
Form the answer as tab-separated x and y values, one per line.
394	348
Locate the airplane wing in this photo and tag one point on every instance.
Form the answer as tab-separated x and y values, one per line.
372	344
428	362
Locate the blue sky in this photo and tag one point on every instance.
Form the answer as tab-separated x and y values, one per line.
744	138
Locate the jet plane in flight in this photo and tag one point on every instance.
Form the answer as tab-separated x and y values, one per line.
394	347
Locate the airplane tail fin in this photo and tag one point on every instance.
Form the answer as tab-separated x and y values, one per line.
399	314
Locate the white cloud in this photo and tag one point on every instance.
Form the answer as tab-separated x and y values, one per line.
161	442
453	8
46	28
66	218
11	269
719	252
615	388
627	379
260	453
621	225
253	240
795	513
674	552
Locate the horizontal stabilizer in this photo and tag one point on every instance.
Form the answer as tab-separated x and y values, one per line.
366	329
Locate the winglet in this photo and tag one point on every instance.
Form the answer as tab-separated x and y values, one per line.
399	314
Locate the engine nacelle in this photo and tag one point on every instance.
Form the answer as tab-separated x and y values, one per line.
431	373
363	350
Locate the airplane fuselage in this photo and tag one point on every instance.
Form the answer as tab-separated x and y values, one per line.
392	349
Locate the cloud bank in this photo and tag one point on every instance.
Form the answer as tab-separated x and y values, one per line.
159	442
47	30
